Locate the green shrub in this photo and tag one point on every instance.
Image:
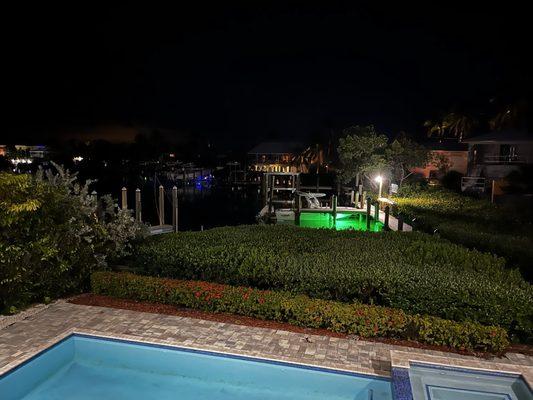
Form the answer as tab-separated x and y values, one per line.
53	234
474	223
358	319
415	272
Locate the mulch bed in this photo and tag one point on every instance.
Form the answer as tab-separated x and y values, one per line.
90	299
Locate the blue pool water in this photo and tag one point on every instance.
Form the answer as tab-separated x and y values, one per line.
84	367
448	383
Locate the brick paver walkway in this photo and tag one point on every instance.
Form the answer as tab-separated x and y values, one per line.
23	338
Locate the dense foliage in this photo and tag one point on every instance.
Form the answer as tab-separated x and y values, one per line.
364	153
358	319
471	222
53	234
415	272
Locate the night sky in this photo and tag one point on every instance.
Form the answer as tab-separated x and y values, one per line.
246	72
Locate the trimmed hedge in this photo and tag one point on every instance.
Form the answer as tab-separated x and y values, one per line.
362	320
474	223
415	272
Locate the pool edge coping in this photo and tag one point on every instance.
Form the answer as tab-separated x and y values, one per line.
48	345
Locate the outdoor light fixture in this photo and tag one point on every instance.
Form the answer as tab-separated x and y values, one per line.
17	161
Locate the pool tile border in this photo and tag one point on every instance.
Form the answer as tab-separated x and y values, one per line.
401	384
8	368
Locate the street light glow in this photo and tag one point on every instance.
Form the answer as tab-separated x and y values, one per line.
378	179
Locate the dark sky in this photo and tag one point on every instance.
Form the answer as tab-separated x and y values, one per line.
248	71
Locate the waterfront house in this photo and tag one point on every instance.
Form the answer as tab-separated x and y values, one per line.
453	152
493	156
274	157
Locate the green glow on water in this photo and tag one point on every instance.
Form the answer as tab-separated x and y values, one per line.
343	221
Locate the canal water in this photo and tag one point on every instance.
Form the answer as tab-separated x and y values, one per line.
205	206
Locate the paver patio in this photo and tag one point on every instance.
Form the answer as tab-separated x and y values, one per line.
23	338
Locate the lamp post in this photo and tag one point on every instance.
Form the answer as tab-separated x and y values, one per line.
379	179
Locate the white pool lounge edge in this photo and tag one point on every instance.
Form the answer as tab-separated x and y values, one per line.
403	359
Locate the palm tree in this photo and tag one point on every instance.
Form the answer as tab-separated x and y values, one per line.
313	155
509	117
452	124
434	128
459	125
320	154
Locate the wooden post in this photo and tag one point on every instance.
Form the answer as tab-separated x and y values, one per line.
264	191
124	201
376	211
161	205
356	199
138	214
352	197
175	209
363	198
271	196
400	222
368	200
334	206
298	208
386	222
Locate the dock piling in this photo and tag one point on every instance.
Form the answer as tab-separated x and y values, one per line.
271	196
386	221
138	216
368	205
376	211
298	208
124	199
400	222
161	205
174	209
334	206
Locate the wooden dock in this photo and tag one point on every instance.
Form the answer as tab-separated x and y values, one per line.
393	221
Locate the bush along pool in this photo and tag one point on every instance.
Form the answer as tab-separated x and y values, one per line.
365	321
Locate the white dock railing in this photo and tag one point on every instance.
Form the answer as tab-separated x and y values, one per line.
473	183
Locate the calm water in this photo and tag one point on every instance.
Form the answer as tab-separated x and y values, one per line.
204	205
83	368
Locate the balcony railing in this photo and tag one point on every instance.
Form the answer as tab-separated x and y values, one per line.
505	159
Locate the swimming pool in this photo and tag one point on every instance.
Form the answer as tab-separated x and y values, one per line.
89	367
